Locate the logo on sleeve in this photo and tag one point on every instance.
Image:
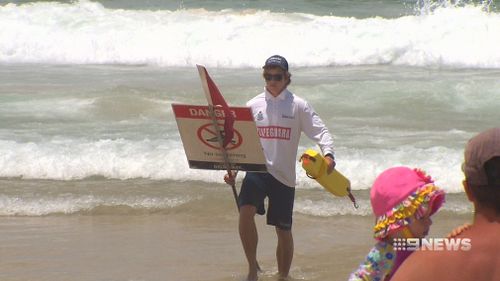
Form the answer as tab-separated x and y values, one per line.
260	116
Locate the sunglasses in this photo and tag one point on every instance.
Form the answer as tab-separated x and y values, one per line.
273	77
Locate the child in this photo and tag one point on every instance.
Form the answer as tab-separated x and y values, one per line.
403	200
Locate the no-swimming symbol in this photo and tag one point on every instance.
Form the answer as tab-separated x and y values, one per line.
208	136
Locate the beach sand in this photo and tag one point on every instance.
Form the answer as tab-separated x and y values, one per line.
178	247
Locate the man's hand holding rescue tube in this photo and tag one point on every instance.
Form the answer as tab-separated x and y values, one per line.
330	161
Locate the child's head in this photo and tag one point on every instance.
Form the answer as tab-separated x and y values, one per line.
402	200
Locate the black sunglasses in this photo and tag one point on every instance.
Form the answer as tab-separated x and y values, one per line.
273	77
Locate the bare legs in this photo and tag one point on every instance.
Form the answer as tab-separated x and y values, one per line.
249	240
284	251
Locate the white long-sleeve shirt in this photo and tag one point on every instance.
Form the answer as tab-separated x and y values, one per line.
280	121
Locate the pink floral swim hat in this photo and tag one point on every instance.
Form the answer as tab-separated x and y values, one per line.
397	194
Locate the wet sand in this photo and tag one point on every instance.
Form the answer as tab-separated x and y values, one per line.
177	246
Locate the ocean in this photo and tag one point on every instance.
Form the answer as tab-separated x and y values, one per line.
94	180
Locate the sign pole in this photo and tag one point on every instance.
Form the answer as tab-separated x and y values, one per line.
227	163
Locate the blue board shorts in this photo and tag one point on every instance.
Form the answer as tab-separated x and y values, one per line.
257	186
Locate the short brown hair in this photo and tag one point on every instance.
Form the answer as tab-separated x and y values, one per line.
489	195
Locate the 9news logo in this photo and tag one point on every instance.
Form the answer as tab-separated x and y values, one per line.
432	244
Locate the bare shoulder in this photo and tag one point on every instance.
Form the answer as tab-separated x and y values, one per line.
477	261
422	265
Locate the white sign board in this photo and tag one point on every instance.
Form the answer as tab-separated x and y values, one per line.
202	147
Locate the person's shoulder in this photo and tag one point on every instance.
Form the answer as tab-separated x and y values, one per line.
257	99
428	265
293	96
412	268
298	100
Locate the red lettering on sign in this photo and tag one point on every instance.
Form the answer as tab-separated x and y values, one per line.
202	112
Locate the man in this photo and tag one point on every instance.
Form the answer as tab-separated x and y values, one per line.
480	262
280	117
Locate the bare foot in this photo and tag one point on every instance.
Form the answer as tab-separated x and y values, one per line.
284	278
253	272
252	276
258	267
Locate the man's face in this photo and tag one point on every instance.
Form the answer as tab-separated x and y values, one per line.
276	80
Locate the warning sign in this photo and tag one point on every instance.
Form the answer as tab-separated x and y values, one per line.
201	145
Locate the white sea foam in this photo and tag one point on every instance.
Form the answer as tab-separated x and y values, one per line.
55	108
362	166
71	204
70	159
332	207
336	206
66	204
118	159
83	32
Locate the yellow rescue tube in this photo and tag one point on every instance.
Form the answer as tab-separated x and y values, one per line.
315	166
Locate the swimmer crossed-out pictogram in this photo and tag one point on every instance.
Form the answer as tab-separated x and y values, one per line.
207	135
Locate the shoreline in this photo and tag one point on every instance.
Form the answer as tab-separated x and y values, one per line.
179	246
